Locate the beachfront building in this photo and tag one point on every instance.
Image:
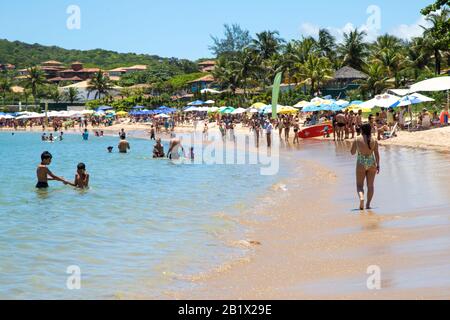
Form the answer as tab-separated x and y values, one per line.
201	83
207	66
119	72
7	67
344	79
83	91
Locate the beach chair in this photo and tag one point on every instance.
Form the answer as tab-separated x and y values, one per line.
389	135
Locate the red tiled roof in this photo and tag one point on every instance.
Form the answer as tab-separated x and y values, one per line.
208	78
65	79
93	70
207	63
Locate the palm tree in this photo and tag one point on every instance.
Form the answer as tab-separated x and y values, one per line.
438	35
315	71
5	88
376	81
226	75
72	95
392	61
35	78
386	42
326	44
267	44
418	54
55	94
101	84
245	66
353	50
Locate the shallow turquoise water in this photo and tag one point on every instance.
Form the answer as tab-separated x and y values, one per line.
141	221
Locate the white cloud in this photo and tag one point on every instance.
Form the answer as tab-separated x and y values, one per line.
407	32
309	30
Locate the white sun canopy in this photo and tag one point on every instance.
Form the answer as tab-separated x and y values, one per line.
435	84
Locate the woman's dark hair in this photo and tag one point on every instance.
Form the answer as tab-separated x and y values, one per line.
366	130
81	166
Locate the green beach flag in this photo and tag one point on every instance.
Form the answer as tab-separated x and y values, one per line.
276	94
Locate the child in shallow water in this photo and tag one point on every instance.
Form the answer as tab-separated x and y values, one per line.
81	177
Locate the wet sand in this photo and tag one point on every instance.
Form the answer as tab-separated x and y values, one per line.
315	245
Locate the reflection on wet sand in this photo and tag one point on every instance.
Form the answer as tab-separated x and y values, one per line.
318	246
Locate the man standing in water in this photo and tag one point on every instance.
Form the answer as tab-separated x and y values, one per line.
123	146
368	164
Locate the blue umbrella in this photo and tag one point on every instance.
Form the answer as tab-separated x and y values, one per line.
138	107
104	108
197	103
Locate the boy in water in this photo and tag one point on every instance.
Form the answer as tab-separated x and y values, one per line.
43	173
81	177
110	149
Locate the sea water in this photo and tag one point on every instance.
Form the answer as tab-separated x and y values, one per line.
141	222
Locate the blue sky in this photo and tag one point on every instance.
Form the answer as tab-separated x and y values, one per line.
182	28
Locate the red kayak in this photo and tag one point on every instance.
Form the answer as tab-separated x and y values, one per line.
316	131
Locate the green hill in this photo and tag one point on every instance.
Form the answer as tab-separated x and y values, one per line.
24	55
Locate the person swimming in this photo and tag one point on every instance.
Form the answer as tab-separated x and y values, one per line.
110	149
367	165
43	173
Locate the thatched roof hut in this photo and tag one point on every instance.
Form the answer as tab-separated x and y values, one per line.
349	74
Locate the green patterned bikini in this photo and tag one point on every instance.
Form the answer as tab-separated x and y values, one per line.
368	162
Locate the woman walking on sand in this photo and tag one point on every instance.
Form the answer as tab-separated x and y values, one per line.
368	164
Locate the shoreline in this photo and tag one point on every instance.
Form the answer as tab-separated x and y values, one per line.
437	139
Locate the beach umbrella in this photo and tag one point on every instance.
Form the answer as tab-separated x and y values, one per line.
414	98
382	100
213	110
210	102
239	111
287	110
162	115
6	116
356	108
191	109
258	105
104	108
138	108
342	103
311	108
302	104
87	112
196	103
227	110
252	110
434	84
122	113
